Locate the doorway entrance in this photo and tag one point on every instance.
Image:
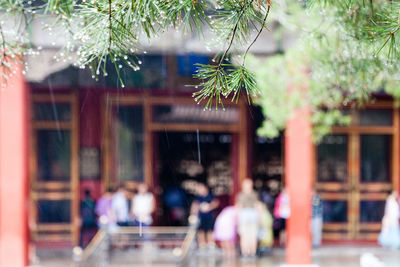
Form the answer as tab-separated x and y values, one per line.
186	159
146	138
267	158
356	168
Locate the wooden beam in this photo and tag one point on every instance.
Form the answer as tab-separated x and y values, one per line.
242	143
185	127
396	150
75	203
148	145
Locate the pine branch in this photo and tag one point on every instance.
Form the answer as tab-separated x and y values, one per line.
233	33
258	34
109	26
236	78
3	44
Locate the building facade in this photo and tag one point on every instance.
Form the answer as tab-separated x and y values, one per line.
89	135
96	136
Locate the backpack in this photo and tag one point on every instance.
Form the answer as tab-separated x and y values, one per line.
88	213
282	206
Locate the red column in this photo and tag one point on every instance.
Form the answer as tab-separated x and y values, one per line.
298	174
13	172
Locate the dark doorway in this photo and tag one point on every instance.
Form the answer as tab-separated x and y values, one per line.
267	161
188	158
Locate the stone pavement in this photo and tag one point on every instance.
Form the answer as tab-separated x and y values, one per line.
327	256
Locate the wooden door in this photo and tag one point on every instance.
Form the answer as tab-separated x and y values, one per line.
356	168
54	168
372	182
333	183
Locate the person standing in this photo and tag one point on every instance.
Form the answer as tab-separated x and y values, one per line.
119	207
265	233
225	230
203	206
175	202
390	233
88	217
316	219
267	198
248	223
103	209
282	213
143	205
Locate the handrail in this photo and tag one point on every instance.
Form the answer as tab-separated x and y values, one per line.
151	230
181	253
187	242
94	243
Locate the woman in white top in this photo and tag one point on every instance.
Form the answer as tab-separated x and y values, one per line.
119	206
143	205
390	233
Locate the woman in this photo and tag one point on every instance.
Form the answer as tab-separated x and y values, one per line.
265	233
225	229
282	213
247	201
143	205
390	233
103	209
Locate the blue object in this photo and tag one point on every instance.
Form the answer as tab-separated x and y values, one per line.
186	63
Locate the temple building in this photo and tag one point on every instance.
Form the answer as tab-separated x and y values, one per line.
93	136
86	134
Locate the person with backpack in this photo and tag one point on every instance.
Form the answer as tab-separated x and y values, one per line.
88	219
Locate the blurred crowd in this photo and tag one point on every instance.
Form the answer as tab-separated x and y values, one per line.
255	223
118	207
252	225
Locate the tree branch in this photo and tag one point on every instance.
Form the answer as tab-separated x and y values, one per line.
109	26
233	34
258	34
3	44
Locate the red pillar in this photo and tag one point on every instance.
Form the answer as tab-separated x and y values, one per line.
14	172
298	176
